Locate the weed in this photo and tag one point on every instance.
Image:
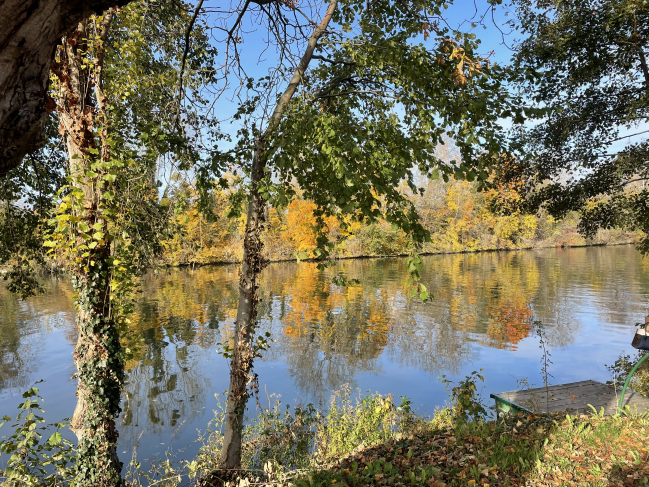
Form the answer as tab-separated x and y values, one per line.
533	402
621	369
466	402
545	362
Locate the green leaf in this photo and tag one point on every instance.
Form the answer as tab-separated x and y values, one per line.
55	439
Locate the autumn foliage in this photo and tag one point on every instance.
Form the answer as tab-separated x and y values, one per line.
459	217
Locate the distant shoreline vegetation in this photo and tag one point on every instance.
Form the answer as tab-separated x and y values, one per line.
460	219
392	256
617	238
625	238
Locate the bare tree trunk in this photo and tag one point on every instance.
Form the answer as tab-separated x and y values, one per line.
98	352
242	380
30	30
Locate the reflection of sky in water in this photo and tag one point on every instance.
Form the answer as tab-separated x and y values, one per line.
370	335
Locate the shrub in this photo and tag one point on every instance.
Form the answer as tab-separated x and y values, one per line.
621	369
35	463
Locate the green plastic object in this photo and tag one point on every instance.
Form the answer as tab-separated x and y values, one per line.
628	379
505	407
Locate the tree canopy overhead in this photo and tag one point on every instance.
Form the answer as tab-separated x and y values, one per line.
386	84
583	69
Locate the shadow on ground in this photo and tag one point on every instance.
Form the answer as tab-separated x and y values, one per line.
588	450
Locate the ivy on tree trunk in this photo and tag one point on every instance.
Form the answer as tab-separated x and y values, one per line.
243	381
98	355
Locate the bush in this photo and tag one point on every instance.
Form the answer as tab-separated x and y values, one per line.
372	419
466	402
621	369
282	438
35	463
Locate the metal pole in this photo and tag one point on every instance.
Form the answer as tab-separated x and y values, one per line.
628	379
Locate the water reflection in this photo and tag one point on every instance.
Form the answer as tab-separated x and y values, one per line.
326	336
22	327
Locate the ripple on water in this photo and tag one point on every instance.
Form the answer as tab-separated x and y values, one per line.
371	336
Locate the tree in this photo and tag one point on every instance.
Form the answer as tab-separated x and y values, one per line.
82	108
29	33
376	107
27	196
119	105
584	71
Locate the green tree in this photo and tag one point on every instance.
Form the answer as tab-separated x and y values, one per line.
120	106
390	83
582	67
98	355
26	198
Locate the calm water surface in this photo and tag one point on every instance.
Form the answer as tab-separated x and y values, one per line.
369	336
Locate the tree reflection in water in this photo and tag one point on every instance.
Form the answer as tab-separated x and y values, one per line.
22	326
329	336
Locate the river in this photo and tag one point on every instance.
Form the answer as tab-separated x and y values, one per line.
369	336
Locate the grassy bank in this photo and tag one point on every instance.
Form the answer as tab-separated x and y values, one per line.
374	440
529	450
377	441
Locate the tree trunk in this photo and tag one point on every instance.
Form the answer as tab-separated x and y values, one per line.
243	381
98	352
242	357
29	33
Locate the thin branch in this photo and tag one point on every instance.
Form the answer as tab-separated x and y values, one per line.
184	59
322	58
357	92
643	63
628	136
637	180
239	17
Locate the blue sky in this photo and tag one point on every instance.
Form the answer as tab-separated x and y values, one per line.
258	59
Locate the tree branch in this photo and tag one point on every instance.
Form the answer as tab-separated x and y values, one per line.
184	59
240	16
643	63
357	92
322	58
301	69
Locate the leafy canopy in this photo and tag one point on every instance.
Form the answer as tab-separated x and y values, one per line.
584	71
390	82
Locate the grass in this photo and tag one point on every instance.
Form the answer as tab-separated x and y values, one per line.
374	441
588	450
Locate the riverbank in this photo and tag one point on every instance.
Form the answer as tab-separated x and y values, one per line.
195	264
593	450
374	441
523	451
377	442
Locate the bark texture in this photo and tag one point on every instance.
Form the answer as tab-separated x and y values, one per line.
97	354
242	379
29	33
